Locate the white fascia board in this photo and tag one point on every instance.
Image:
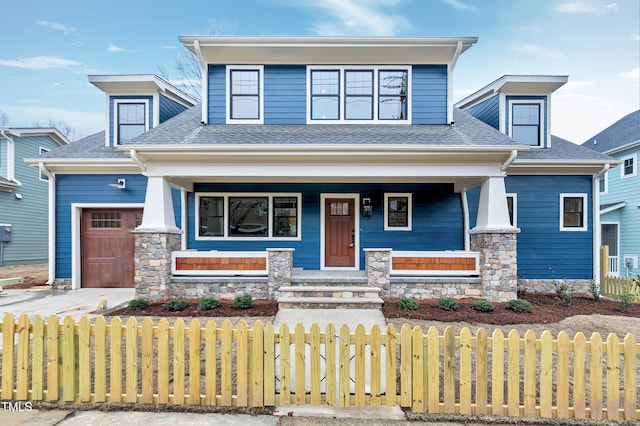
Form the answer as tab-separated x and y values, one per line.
615	207
52	132
139	84
624	149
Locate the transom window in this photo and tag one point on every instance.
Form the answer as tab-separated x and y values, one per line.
131	119
525	123
629	167
248	216
245	100
397	212
358	94
573	212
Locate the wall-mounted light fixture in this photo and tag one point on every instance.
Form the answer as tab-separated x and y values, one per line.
120	184
18	196
367	208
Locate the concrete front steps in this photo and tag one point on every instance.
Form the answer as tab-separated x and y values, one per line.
329	290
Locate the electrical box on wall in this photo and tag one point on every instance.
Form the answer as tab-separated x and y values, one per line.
630	261
5	233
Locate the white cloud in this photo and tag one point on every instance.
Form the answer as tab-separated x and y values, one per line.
534	49
113	48
40	63
633	74
57	26
635	37
461	5
358	17
585	7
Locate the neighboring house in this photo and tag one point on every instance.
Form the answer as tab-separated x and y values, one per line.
620	194
24	193
311	155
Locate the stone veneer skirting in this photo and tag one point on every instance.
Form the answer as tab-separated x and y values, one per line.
546	286
153	262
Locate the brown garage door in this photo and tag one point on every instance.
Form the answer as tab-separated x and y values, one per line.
108	247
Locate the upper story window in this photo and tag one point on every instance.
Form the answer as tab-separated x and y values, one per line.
603	184
629	166
526	123
358	94
42	176
245	100
573	212
131	119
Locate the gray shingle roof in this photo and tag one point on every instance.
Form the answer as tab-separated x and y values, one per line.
621	133
90	147
563	150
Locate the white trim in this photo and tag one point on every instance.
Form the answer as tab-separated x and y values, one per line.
76	238
341	93
514	195
356	248
541	124
585	213
260	69
614	207
634	173
465	219
409	211
227	195
116	103
41	150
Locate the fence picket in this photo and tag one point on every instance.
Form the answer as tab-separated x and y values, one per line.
345	370
146	361
242	367
529	365
269	366
53	347
330	364
8	326
163	361
38	363
179	361
194	362
613	377
115	360
359	373
256	366
131	360
449	365
433	375
84	360
375	369
579	375
100	357
68	359
210	365
314	362
299	363
405	366
285	365
482	371
417	373
465	371
630	378
513	374
22	361
391	350
595	377
562	375
546	374
226	365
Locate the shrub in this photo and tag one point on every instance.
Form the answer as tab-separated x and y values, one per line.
519	305
207	303
137	304
176	305
594	289
408	304
626	299
243	302
447	304
483	306
564	291
521	289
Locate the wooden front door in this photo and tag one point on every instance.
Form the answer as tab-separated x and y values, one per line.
339	230
108	247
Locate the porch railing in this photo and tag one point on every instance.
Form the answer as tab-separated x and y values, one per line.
613	266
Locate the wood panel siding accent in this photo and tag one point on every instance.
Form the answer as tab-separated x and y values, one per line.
435	263
197	263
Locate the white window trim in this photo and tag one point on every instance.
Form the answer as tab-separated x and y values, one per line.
409	226
42	177
541	126
604	177
634	157
515	207
227	195
585	213
260	69
341	69
116	121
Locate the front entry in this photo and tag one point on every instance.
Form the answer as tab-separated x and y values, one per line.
339	232
108	247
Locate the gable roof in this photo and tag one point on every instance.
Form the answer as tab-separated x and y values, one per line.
624	133
90	147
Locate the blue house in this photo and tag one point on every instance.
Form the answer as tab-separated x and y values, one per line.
321	162
24	218
619	191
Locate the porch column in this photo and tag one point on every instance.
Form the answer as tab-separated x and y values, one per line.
158	206
493	213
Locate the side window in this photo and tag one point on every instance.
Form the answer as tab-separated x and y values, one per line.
397	212
526	122
131	120
42	176
573	212
629	166
245	89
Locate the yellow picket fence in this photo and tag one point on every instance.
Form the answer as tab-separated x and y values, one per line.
218	365
615	287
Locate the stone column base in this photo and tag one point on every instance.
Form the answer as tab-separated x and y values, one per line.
498	263
280	263
378	264
153	262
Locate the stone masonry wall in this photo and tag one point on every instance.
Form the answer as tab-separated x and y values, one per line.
225	288
378	265
498	264
153	263
280	264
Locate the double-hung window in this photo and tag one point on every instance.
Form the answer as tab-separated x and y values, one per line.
248	216
358	94
398	212
573	212
245	100
526	123
629	166
131	119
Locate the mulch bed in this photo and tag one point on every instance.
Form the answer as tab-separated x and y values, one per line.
546	308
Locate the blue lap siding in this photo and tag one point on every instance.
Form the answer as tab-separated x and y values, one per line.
541	245
285	89
169	108
429	90
487	111
93	189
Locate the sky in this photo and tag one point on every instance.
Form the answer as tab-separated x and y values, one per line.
48	47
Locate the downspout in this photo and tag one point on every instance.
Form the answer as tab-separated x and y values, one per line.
52	222
507	163
204	78
11	157
450	68
597	237
134	156
465	220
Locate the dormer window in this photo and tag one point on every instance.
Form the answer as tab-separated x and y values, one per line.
131	120
245	100
358	94
526	123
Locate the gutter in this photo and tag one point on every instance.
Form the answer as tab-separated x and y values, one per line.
134	156
51	222
507	163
